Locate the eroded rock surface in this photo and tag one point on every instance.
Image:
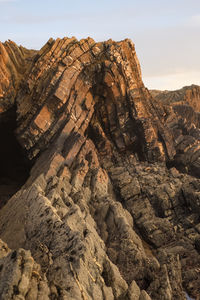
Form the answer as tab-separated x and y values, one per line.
110	209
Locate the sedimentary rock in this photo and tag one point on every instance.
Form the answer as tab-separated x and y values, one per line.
184	124
109	209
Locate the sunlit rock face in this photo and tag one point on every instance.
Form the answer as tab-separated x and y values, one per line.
106	201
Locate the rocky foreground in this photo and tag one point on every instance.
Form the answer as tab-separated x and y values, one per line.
100	179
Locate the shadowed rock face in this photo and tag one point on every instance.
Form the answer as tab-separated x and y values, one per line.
184	125
15	168
110	209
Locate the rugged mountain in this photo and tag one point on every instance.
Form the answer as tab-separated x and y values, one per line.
97	201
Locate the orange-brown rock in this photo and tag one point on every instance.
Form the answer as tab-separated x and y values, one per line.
14	61
107	207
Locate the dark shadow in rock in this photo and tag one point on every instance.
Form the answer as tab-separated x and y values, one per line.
14	166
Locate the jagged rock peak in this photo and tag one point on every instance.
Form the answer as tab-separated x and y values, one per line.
70	81
14	61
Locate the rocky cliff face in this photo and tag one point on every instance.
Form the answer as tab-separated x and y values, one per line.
184	125
105	204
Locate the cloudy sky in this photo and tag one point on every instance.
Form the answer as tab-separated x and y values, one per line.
166	32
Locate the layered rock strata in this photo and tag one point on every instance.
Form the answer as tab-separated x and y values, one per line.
184	124
109	210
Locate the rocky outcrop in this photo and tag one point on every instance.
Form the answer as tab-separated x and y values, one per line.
188	95
106	210
184	125
14	61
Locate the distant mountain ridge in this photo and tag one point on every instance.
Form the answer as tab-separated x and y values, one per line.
189	95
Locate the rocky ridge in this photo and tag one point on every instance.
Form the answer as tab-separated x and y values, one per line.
188	95
110	208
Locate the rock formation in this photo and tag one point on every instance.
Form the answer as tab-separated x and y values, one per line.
184	125
99	191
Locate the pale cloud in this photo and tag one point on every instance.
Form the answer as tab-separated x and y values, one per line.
172	81
194	21
169	56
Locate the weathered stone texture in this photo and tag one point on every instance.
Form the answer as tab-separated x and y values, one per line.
111	207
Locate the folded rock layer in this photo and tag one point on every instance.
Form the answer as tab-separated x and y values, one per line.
110	207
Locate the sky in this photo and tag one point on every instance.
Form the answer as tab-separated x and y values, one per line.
166	33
